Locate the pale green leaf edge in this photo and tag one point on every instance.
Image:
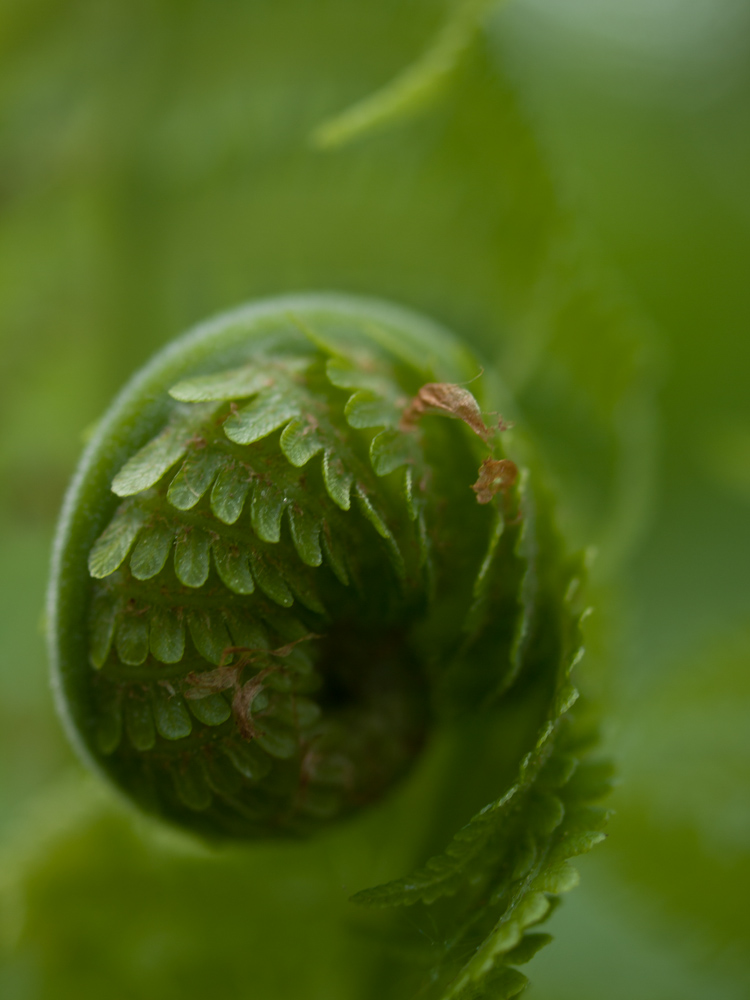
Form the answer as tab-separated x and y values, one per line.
414	88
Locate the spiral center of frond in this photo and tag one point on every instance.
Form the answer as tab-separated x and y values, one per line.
262	589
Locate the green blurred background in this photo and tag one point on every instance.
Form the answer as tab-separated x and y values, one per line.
156	167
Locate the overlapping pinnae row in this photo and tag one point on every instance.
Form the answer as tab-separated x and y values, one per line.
503	872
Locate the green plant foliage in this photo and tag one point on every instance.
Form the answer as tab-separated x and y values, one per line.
176	157
213	710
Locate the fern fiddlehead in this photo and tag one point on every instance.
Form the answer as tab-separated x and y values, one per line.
281	569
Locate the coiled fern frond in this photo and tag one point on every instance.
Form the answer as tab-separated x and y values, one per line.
295	552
